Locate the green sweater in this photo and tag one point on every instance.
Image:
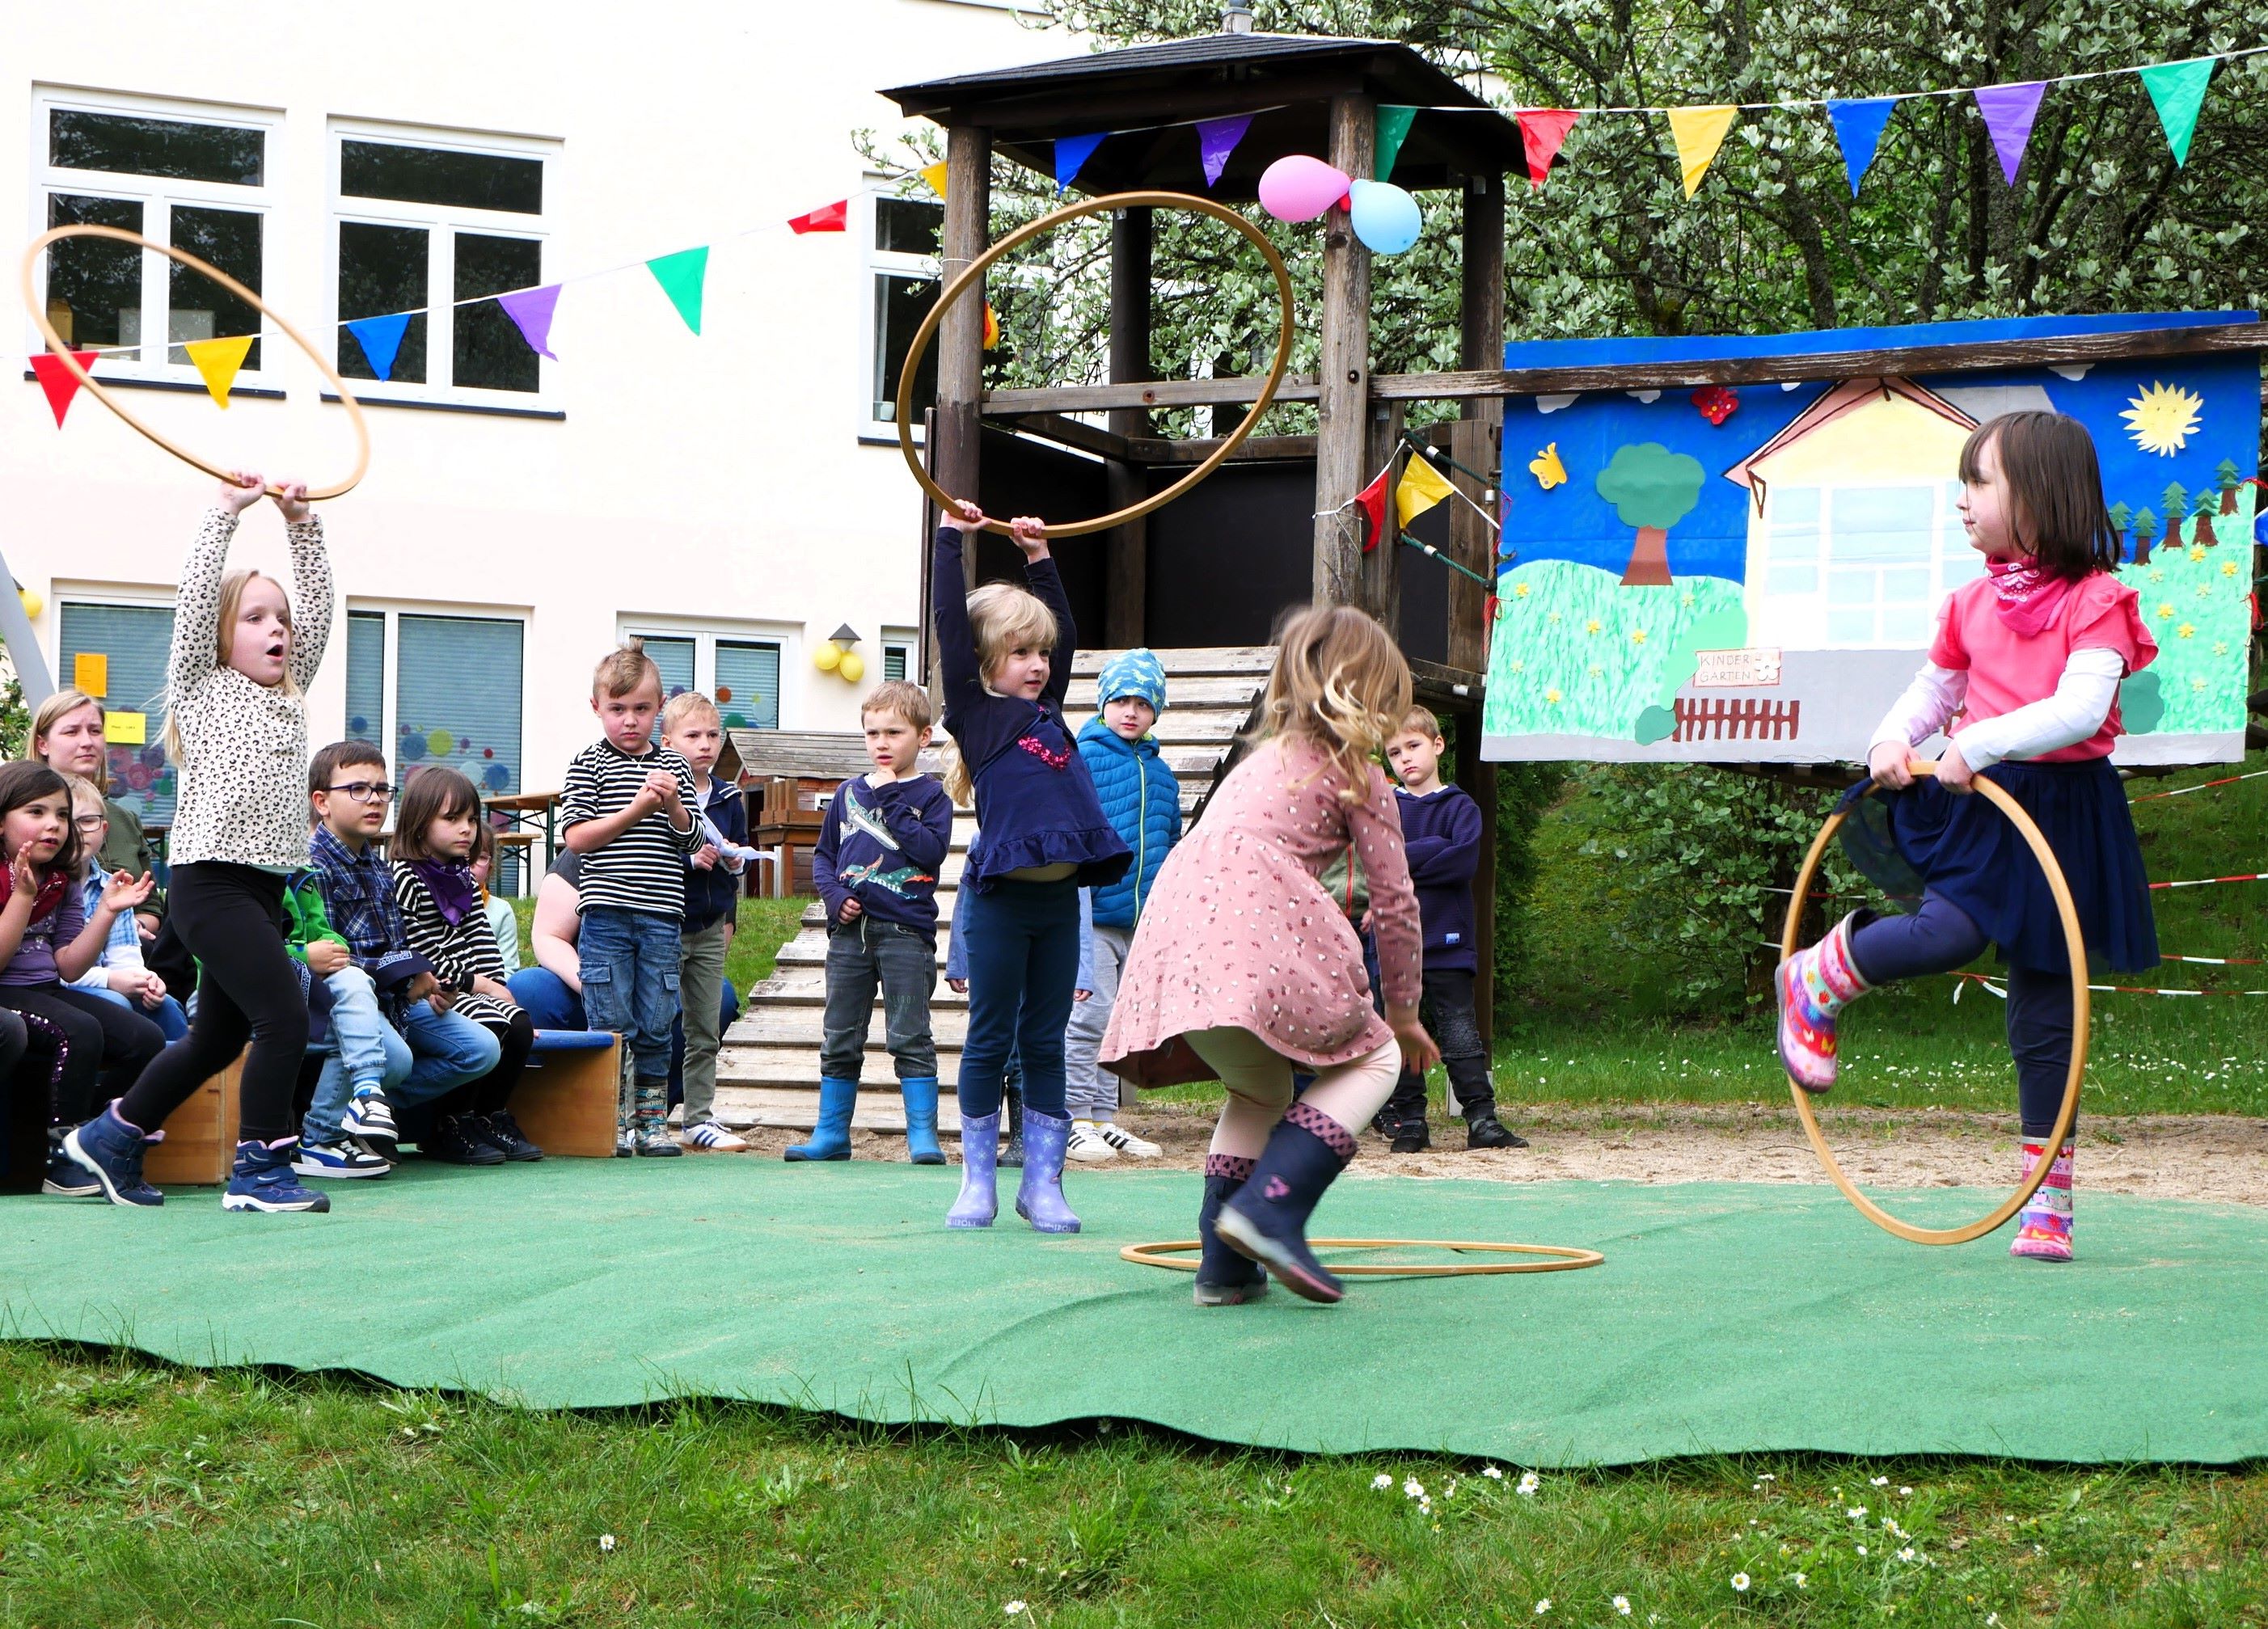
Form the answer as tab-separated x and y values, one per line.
303	905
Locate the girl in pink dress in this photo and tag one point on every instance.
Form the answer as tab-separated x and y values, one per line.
1243	969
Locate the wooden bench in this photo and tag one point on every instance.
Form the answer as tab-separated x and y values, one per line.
200	1146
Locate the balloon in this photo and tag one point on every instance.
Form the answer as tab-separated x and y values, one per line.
826	656
1386	218
32	604
852	666
1297	187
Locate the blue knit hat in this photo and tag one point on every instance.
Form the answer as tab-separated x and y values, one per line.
1137	672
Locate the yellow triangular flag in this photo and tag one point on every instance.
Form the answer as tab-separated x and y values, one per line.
934	174
218	361
1698	132
1420	488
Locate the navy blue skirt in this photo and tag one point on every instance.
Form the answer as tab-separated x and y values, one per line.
1965	851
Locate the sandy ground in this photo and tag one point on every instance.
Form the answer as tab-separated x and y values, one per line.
2217	1157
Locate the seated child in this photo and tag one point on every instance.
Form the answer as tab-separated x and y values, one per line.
502	921
357	1049
118	973
691	727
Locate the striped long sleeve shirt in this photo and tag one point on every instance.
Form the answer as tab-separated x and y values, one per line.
644	868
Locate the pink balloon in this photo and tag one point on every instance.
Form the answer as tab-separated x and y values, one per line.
1299	188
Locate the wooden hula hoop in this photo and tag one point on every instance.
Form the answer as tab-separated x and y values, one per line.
974	275
1172	1253
64	351
2074	942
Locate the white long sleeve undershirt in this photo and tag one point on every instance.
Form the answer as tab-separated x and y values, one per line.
2082	700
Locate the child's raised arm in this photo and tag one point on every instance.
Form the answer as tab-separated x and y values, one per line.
311	583
948	593
195	649
1029	533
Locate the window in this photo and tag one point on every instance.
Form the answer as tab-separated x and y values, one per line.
903	243
194	180
898	645
455	695
738	671
133	639
437	226
893	662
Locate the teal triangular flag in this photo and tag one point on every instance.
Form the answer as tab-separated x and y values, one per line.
2177	90
1392	126
681	276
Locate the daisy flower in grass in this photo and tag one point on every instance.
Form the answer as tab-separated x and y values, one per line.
1797	1579
1529	1483
1878	1481
1621	1606
1493	1473
1906	1554
1543	1606
1381	1482
1015	1609
1413	1488
1740	1583
1862	1549
606	1542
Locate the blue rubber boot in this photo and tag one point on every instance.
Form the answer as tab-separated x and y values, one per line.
110	1150
1267	1219
979	1201
921	1121
830	1139
1224	1279
1040	1195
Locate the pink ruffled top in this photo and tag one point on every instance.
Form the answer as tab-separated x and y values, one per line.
2007	669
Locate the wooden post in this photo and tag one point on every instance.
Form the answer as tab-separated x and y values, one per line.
1342	395
1478	441
961	337
1472	540
1126	569
1382	567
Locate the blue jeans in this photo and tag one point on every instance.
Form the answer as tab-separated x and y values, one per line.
1023	962
446	1050
167	1014
629	980
551	1004
361	1049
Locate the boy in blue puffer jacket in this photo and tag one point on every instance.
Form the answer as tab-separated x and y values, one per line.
1144	801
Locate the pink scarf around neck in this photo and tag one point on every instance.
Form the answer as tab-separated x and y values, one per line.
2028	599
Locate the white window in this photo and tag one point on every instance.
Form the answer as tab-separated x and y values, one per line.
905	238
1860	567
132	634
438	687
739	666
898	660
436	225
190	175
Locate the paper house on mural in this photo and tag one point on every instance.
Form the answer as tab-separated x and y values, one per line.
1855	537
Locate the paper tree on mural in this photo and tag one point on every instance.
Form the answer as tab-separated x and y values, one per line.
1652	490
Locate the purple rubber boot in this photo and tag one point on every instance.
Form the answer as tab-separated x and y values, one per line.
979	1201
1039	1197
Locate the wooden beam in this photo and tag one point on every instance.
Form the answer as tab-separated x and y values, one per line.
1126	551
1255	450
1478	777
1382	567
1473	444
1476	440
1044	114
1164	393
1447	690
1343	397
960	335
1078	433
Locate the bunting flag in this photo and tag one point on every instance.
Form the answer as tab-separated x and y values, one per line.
1421	488
1698	132
2177	90
1216	139
1541	130
1393	128
934	174
60	383
1372	500
2009	110
834	216
1071	154
1859	129
681	277
531	311
217	361
380	339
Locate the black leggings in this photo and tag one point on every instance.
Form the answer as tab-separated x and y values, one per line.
493	1090
230	917
102	1048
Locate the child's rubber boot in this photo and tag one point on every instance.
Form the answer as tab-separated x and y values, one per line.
921	1121
979	1199
1224	1279
1040	1195
1814	985
1011	1145
263	1180
110	1150
1267	1219
830	1139
2044	1227
653	1140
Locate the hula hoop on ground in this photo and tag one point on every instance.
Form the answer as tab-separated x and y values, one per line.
975	273
1564	1259
63	352
2074	942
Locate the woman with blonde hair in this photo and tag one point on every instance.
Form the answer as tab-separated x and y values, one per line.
1244	957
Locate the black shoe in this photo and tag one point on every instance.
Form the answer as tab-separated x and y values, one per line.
456	1140
502	1133
1485	1131
1412	1137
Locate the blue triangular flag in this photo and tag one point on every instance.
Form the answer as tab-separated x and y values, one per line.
1858	127
1072	151
380	337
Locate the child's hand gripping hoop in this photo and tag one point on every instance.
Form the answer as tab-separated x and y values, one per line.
315	494
974	276
1179	1254
2074	941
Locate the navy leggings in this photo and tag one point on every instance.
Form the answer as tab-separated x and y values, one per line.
1939	937
1023	960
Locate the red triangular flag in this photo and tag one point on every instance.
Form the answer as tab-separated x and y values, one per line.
1541	129
1372	500
60	382
827	217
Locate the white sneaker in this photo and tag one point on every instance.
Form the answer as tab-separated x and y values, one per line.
1086	1144
1126	1143
712	1135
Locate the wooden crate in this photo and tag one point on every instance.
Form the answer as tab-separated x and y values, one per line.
569	1100
200	1146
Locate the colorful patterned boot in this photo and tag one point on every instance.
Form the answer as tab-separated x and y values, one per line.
1814	986
979	1198
652	1140
1039	1195
1224	1279
2044	1227
1266	1219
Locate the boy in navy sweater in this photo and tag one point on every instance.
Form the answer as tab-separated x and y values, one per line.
692	728
1441	834
876	867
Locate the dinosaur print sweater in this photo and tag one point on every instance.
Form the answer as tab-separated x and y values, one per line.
884	847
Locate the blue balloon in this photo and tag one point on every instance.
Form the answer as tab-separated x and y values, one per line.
1385	217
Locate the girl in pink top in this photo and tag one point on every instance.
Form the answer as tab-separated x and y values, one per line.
1244	970
2023	679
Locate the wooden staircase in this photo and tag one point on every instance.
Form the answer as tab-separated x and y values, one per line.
767	1071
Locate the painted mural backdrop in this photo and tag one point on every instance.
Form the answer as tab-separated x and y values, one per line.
1753	574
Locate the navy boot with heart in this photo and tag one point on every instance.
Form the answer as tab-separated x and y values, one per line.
1266	1219
1224	1279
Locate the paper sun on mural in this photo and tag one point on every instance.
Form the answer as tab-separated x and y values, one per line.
2162	418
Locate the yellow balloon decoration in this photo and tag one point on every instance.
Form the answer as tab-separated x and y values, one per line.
827	656
32	604
852	668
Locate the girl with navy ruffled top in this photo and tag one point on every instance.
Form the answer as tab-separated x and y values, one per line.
1005	656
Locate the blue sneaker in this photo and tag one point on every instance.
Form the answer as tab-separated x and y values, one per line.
67	1179
344	1158
263	1180
111	1151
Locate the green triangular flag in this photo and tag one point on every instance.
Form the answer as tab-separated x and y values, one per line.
2177	89
1392	125
681	276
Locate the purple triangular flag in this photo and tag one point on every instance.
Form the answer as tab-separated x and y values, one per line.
531	309
2009	110
1216	139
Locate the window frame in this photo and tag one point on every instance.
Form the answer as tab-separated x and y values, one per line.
875	263
907	641
1784	614
384	734
99	595
704	631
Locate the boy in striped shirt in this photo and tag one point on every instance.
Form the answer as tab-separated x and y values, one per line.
628	810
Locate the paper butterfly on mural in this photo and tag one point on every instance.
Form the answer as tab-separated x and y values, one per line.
1717	404
1547	468
2162	418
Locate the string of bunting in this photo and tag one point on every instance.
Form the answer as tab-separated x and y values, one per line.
2180	792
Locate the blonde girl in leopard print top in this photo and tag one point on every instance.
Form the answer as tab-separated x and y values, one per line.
236	724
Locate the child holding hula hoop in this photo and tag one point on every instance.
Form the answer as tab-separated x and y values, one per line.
2023	678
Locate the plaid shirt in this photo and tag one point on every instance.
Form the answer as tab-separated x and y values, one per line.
358	890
